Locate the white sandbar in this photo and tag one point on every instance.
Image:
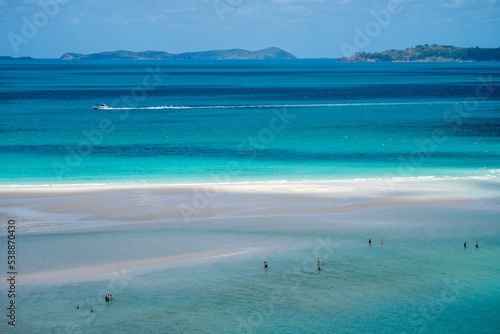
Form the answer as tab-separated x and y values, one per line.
90	272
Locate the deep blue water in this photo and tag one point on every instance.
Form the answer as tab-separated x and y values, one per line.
174	122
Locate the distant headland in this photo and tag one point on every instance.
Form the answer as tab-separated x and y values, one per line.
269	53
15	58
428	53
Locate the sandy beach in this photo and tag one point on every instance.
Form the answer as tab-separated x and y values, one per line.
47	208
299	206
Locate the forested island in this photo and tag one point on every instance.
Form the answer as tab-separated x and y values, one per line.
269	53
428	53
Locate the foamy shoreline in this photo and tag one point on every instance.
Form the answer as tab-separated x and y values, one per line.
305	186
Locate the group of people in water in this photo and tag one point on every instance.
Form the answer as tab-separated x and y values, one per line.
322	262
465	244
382	242
107	298
317	261
78	307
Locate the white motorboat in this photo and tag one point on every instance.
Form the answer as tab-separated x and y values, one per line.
100	106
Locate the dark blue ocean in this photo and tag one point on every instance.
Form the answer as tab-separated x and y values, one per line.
230	121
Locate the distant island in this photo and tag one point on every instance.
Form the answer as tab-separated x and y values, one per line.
419	53
428	53
269	53
15	58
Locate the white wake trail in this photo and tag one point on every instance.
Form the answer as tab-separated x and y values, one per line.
313	105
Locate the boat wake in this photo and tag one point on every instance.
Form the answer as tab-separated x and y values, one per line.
314	105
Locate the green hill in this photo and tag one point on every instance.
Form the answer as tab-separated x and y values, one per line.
428	53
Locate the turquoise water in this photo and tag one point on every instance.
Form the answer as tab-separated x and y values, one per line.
198	122
178	122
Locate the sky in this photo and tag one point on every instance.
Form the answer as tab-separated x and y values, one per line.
305	28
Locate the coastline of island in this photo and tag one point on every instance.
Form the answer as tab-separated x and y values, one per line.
419	53
231	54
428	53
